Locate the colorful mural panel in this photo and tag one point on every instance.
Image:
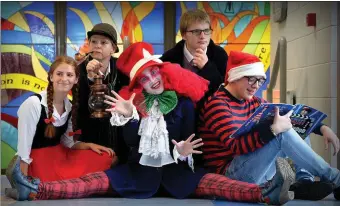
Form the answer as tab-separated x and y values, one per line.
138	21
27	50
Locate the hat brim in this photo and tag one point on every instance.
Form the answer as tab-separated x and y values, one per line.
91	33
141	69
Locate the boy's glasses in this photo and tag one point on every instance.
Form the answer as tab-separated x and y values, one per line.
253	80
198	32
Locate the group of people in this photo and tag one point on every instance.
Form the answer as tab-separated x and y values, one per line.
169	133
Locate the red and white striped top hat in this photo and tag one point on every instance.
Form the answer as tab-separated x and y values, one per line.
135	59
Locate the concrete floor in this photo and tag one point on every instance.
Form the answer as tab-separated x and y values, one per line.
329	201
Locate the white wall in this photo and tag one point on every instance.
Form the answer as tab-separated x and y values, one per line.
311	60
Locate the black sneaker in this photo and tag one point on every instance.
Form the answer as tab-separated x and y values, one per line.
306	190
336	193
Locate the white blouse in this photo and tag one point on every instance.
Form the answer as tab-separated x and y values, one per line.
28	117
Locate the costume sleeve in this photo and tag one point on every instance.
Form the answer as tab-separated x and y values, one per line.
130	134
189	158
187	129
189	119
222	123
28	118
317	129
119	119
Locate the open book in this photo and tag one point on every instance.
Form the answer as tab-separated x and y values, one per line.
304	118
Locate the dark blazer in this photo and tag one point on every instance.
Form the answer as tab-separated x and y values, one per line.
213	71
94	130
133	180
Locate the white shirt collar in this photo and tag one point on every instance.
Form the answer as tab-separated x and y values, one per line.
68	105
107	71
188	55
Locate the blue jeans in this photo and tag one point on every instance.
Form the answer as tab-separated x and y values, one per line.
259	166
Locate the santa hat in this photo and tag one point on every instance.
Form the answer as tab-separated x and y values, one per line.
135	59
242	64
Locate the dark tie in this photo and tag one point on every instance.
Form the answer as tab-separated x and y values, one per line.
192	63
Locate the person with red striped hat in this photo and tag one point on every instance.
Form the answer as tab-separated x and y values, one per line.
250	157
157	111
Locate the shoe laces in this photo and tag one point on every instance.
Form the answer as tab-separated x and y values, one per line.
266	188
268	183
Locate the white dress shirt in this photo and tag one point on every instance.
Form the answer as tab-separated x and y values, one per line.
188	55
28	117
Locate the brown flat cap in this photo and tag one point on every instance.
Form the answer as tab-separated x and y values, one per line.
105	30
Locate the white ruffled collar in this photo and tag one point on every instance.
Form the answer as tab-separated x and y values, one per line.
158	135
154	142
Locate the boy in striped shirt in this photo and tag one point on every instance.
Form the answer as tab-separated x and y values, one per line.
251	157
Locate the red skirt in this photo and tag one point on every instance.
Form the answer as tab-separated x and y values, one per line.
60	163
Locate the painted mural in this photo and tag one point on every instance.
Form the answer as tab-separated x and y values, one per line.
28	45
27	50
137	21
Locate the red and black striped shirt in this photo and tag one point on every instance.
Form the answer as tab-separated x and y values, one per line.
221	115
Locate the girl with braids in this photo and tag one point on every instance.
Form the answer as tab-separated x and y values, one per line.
161	144
47	131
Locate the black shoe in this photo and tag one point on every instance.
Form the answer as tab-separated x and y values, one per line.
305	190
336	193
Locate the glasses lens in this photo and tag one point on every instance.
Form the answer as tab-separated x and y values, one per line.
196	32
207	31
261	81
251	80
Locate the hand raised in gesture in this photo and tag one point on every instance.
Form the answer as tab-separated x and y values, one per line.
120	105
187	147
